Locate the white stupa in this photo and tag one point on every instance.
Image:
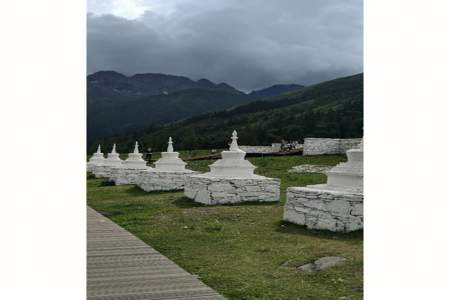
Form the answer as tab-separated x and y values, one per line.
169	160
347	176
135	160
130	170
336	205
113	158
231	180
233	163
96	159
169	173
108	165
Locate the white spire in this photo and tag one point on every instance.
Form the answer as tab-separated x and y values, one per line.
114	149
234	145
170	146
232	163
99	149
170	161
136	148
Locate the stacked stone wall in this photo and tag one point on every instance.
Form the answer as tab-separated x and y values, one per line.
260	149
321	209
162	181
211	191
306	168
317	146
347	144
101	171
125	176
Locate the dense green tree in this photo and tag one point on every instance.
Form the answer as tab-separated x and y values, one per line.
330	109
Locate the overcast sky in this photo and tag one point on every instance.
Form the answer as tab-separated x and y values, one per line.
249	44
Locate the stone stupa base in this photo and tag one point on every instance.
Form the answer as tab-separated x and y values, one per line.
221	190
101	171
114	173
89	167
125	175
321	207
163	180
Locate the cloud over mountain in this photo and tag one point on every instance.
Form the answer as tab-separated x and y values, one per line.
249	44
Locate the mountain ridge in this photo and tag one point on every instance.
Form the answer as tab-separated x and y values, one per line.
149	84
276	89
118	103
332	108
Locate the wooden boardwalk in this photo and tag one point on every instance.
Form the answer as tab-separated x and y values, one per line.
122	267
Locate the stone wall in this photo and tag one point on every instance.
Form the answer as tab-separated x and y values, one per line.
324	209
162	181
125	176
310	169
261	149
101	171
347	144
317	146
213	190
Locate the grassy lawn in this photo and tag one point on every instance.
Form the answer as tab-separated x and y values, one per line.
243	251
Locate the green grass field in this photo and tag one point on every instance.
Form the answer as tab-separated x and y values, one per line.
243	251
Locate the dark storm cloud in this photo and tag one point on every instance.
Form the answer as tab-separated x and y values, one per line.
248	44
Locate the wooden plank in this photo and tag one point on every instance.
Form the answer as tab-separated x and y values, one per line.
122	267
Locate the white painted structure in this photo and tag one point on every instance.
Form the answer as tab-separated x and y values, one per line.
169	160
307	168
152	180
231	180
319	146
96	159
169	173
336	205
232	163
105	169
113	158
129	172
348	175
275	147
135	160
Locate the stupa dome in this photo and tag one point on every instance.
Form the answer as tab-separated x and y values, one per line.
169	160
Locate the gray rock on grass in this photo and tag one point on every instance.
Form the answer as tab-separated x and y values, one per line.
322	263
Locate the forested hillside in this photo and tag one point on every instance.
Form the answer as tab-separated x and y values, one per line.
276	89
118	103
328	109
